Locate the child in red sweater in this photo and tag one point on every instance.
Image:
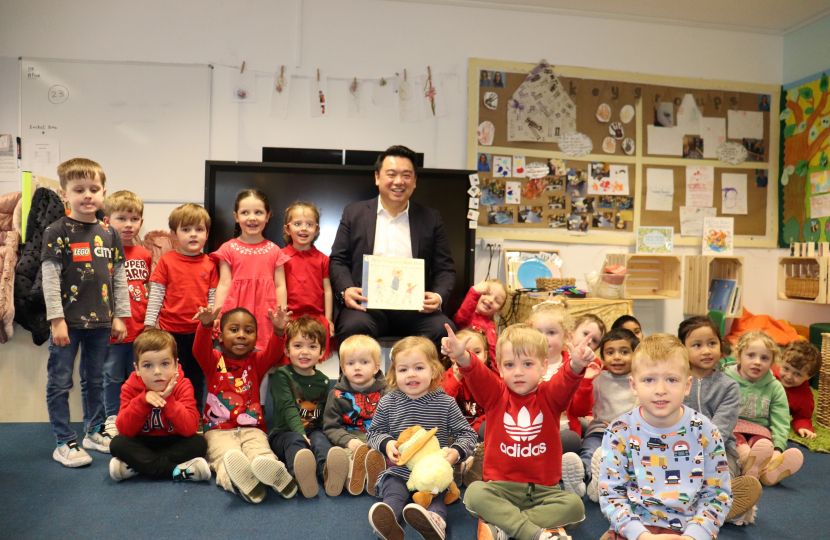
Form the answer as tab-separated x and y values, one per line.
520	496
158	417
800	361
482	303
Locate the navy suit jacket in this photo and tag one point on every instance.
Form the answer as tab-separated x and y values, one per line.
356	238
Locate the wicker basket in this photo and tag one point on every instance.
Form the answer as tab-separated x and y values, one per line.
551	284
823	405
797	287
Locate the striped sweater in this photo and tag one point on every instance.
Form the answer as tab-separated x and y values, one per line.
396	412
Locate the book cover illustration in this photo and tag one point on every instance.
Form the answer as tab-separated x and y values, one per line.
393	283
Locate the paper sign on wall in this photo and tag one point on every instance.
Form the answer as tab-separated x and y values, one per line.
733	193
659	189
820	206
700	185
745	124
666	141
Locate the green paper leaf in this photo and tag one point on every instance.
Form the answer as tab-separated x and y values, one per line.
806	92
785	178
813	134
789	131
801	168
789	169
822	85
808	110
786	113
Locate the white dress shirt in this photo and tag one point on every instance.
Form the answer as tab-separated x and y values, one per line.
392	234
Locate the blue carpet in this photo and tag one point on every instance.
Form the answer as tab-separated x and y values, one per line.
41	499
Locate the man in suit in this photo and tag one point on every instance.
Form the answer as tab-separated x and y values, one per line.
391	226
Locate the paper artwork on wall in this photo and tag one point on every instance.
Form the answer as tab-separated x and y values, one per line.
519	169
718	235
666	141
383	93
486	132
242	87
691	219
355	107
512	194
745	124
540	110
408	102
733	193
318	95
279	95
659	190
820	206
491	100
502	166
434	94
713	132
700	185
627	114
732	153
575	144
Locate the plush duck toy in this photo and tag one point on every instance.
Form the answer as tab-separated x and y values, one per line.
430	472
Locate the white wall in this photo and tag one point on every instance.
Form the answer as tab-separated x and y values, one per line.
806	51
369	39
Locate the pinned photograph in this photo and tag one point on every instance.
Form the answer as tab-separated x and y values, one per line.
579	222
625	203
606	201
604	220
599	170
556	221
763	102
500	215
582	205
474	181
558	167
483	163
577	183
692	147
555	183
664	115
620	223
472	215
492	192
556	203
761	178
474	191
474	203
754	149
498	79
484	80
530	214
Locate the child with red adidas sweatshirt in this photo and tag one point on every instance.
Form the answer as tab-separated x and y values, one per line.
520	497
158	417
481	304
800	362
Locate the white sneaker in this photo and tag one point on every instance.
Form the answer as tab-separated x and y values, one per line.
109	426
98	440
428	524
593	486
120	470
553	534
239	470
573	474
71	455
383	522
272	472
195	470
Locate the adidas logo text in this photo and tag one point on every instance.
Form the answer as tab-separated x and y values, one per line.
517	450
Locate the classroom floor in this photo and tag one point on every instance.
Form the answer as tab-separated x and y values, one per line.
41	499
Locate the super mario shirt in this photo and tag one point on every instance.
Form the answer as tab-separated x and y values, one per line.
87	254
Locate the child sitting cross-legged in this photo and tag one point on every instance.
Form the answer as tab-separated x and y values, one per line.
299	393
350	408
233	419
663	471
520	496
611	397
158	417
800	361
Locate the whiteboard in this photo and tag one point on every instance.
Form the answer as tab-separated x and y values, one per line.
148	125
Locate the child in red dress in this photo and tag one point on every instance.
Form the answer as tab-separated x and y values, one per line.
307	269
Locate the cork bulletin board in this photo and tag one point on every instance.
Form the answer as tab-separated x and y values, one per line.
618	112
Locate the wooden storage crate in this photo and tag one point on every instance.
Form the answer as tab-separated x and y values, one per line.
650	276
698	276
823	405
803	279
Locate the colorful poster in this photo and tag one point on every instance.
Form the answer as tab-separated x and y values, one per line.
820	182
654	239
700	185
718	235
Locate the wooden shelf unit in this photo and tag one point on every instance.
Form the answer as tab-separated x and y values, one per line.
699	273
650	276
804	267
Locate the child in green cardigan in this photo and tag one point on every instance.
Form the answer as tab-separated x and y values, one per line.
299	393
764	417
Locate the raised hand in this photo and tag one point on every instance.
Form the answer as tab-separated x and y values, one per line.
207	315
593	370
455	348
482	287
280	318
581	355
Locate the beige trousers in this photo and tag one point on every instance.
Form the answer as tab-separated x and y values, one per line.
250	441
